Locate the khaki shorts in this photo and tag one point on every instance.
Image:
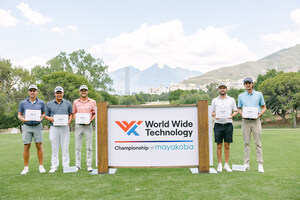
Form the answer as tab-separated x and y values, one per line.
29	132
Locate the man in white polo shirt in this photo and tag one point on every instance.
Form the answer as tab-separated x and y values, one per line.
84	106
223	109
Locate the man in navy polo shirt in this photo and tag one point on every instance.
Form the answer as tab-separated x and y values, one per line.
254	100
32	128
59	113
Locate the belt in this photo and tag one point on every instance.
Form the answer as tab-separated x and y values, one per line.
250	119
32	124
84	124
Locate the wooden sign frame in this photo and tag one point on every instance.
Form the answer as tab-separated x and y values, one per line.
102	134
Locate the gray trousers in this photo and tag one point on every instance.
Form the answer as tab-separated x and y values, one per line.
87	131
253	126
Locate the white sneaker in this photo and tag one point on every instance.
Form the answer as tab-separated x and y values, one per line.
219	167
42	169
227	168
77	168
89	169
260	168
247	166
25	171
52	170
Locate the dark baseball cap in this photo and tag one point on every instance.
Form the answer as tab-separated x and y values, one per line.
248	79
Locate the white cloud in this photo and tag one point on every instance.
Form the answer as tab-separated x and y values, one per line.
167	43
286	38
32	61
33	16
6	19
64	29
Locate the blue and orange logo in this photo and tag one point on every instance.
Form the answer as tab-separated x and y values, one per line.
129	127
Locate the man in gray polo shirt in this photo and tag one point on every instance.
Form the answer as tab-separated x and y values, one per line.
31	112
223	109
59	113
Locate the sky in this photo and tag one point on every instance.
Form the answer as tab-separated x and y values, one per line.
200	35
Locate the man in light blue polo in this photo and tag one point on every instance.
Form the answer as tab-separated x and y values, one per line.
31	112
254	102
59	113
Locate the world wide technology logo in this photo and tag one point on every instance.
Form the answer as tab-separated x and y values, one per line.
129	127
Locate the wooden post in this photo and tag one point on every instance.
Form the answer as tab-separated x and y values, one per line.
203	138
102	143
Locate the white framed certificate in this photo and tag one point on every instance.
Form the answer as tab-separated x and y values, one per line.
222	112
250	112
32	115
82	118
60	120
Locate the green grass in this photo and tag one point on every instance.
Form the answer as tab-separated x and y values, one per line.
281	179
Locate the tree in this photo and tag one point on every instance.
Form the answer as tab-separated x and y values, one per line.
271	73
129	100
282	93
70	83
112	99
212	90
14	82
174	95
80	63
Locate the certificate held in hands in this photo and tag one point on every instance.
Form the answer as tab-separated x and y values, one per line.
32	115
250	112
60	120
82	118
222	113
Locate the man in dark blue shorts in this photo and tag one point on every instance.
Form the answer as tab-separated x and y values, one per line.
223	109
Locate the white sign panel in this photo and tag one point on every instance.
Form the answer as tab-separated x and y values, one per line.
152	136
250	112
32	115
82	118
60	120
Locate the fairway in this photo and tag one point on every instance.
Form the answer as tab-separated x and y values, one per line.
281	179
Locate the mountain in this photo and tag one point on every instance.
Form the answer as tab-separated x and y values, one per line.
283	60
152	77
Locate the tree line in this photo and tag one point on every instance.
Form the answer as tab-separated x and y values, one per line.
281	90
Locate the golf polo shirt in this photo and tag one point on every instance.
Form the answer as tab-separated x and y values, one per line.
27	104
54	108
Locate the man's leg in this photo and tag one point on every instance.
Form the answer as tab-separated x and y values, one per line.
227	151
89	145
65	140
78	144
257	141
26	154
39	148
246	128
54	139
219	152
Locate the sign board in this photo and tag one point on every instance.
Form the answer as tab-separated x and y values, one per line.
152	137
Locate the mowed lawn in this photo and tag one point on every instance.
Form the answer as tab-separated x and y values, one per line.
281	180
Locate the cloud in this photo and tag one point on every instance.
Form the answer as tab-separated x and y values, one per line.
167	43
286	38
33	16
64	29
6	19
32	61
